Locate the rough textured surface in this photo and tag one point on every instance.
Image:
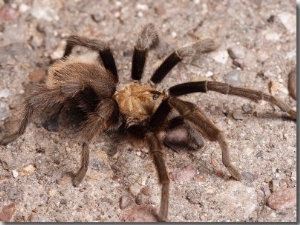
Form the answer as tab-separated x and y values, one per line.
262	143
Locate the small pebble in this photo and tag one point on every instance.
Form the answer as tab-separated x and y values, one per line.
274	185
36	40
7	14
194	196
142	179
4	93
220	56
247	108
239	63
233	77
63	201
146	191
288	20
259	154
248	176
139	199
265	188
272	36
142	7
7	212
271	19
15	173
125	202
4	164
65	179
4	111
58	51
282	199
27	170
23	8
292	87
97	17
135	189
238	115
236	52
183	175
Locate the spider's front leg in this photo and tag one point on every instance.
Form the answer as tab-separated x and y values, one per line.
146	40
223	88
142	132
156	150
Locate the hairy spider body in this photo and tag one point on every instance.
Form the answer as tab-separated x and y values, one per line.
139	111
138	102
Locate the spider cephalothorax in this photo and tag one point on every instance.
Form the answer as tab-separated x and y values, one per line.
138	111
138	101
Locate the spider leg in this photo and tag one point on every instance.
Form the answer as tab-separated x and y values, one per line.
101	47
78	177
179	135
223	88
147	39
106	115
195	118
177	56
142	132
40	99
155	148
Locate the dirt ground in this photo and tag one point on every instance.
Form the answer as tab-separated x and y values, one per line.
122	184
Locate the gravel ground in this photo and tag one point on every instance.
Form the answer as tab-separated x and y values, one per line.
257	49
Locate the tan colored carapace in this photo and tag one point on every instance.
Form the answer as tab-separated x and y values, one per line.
138	101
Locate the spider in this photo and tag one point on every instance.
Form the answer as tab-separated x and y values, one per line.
138	111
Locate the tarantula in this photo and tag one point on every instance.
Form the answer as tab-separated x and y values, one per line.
139	111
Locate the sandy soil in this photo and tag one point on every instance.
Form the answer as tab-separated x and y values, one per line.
122	184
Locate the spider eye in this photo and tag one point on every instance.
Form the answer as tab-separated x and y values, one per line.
155	96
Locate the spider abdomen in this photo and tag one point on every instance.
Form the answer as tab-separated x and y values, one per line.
72	76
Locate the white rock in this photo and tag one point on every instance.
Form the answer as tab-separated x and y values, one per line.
209	74
15	173
23	8
135	189
4	111
236	51
220	56
272	36
44	9
288	20
4	93
142	7
58	51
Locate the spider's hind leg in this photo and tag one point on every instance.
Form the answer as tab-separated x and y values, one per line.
99	46
194	117
40	99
